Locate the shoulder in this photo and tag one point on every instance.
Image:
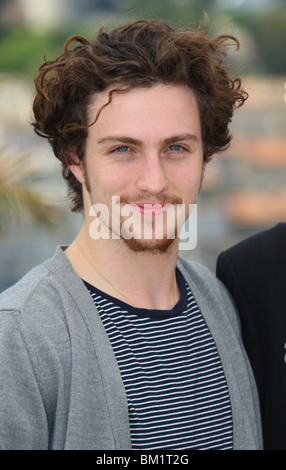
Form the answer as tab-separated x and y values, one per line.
268	243
199	274
214	300
208	289
17	295
40	295
254	264
37	313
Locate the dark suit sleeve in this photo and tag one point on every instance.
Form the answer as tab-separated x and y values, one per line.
230	274
254	272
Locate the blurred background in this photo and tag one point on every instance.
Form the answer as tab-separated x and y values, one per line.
245	187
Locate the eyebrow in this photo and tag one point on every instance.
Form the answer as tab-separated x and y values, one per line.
138	143
180	138
124	140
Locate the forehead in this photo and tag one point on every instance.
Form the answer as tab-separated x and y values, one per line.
165	108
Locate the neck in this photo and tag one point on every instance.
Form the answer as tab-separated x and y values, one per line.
142	279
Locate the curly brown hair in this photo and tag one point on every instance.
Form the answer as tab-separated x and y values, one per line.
138	54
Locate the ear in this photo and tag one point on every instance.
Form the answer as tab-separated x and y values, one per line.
76	168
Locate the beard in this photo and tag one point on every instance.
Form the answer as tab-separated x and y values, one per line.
137	242
144	245
153	234
153	247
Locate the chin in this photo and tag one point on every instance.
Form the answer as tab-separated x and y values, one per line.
150	246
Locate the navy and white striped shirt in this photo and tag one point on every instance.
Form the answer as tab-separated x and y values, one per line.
175	385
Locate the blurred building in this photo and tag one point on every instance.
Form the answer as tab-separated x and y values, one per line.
46	14
33	13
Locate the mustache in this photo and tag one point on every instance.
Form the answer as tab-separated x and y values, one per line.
158	200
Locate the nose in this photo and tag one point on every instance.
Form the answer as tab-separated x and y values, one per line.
152	176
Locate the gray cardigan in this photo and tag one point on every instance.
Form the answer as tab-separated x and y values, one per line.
60	386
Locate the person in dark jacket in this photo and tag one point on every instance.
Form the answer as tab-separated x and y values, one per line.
254	273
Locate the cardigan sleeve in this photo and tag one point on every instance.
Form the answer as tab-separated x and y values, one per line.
23	421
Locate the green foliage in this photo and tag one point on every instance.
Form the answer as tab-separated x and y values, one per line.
268	28
178	12
22	50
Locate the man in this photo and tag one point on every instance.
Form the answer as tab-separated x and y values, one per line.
253	272
116	343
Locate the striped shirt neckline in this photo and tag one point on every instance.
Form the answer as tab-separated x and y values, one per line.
174	381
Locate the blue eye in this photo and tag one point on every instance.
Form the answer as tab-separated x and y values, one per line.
175	148
122	149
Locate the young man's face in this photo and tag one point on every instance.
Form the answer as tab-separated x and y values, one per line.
146	149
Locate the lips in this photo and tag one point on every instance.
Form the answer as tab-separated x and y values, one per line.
150	208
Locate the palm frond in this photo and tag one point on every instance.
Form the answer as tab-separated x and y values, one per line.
21	200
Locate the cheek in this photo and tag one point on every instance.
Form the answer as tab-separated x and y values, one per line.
188	182
108	179
185	180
